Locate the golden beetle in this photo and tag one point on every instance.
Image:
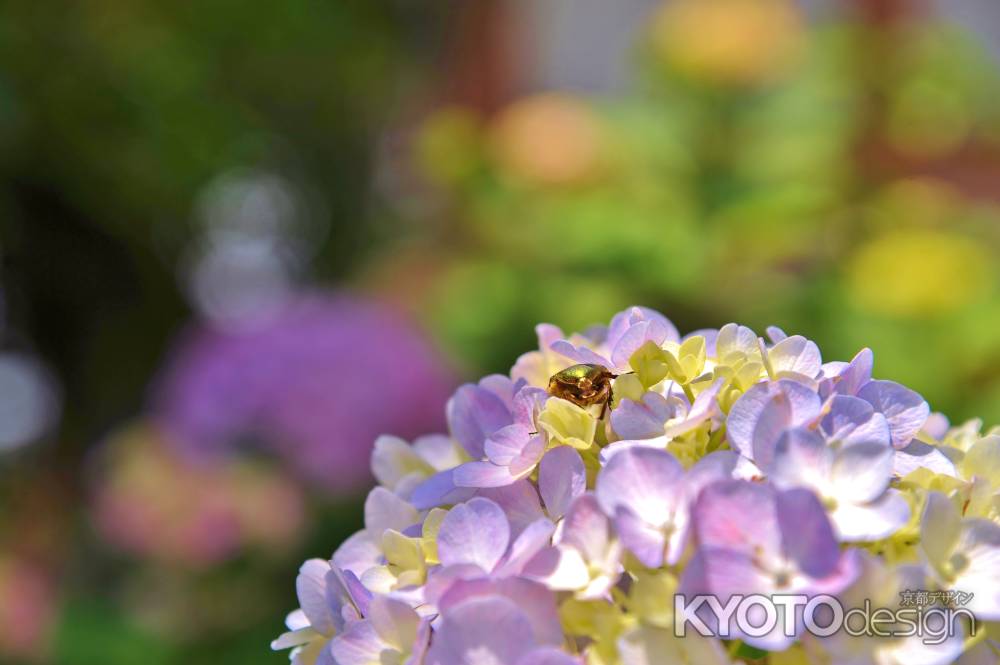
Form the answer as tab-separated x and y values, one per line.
584	385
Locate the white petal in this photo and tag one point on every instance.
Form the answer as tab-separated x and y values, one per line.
559	568
871	521
980	544
919	454
796	354
862	472
940	527
295	638
384	510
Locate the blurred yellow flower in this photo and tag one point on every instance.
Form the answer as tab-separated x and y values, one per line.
728	42
918	273
550	139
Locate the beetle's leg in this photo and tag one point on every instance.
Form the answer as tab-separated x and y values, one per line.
607	403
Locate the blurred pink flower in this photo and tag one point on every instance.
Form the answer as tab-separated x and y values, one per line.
27	608
152	502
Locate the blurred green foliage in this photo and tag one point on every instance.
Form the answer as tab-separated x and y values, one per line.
820	188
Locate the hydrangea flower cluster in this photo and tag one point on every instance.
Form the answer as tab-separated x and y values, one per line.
558	530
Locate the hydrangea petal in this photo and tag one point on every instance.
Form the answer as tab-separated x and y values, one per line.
983	460
737	515
715	466
474	413
735	339
295	638
587	528
623	321
918	454
439	451
980	544
705	406
774	420
871	521
548	656
659	443
484	474
559	568
905	410
805	406
358	644
936	426
801	459
520	503
533	539
310	586
647	542
507	444
633	338
710	335
396	623
807	536
475	532
579	354
393	459
646	481
797	355
775	334
438	490
861	472
536	601
358	553
562	477
568	424
857	373
940	528
528	404
645	419
384	510
482	631
853	420
916	650
723	573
